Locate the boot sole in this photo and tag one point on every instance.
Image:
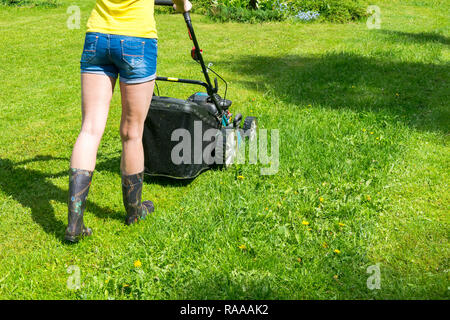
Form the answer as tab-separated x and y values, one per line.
77	238
73	239
150	210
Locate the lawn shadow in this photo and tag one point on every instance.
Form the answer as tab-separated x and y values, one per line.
414	93
112	164
421	37
32	189
263	284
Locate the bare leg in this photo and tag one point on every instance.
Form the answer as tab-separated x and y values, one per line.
136	100
96	94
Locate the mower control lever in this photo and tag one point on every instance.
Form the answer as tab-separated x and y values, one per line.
224	104
216	85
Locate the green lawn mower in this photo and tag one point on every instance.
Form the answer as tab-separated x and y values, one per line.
183	138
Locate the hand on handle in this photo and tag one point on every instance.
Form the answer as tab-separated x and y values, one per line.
182	5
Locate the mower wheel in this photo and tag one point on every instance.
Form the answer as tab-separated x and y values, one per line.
250	126
226	150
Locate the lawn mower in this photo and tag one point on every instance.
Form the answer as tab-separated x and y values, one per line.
195	116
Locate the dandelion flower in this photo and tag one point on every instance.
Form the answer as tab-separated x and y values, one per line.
341	224
242	247
325	245
371	132
240	177
364	130
337	251
368	198
138	263
335	277
321	199
305	223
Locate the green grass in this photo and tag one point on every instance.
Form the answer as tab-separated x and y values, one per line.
364	121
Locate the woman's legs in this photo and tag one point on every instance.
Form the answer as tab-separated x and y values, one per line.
96	94
136	100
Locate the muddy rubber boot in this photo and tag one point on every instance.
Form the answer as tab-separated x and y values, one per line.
132	193
79	183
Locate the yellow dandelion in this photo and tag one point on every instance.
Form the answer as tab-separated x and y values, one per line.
321	199
397	94
371	132
335	277
126	285
341	224
240	177
337	251
368	198
378	138
242	247
266	208
305	223
325	245
309	229
364	130
138	263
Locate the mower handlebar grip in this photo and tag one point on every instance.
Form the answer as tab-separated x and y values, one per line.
163	2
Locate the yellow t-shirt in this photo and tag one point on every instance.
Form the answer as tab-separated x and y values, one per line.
124	17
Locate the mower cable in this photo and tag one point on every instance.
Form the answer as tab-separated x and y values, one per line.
226	84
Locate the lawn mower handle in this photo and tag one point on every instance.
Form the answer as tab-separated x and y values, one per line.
187	18
164	2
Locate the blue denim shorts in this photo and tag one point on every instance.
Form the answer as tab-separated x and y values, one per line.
133	58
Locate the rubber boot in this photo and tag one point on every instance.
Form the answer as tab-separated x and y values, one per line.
132	193
79	183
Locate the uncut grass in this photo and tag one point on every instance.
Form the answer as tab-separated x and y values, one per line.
363	121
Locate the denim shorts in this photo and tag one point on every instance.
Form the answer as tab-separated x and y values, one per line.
133	58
